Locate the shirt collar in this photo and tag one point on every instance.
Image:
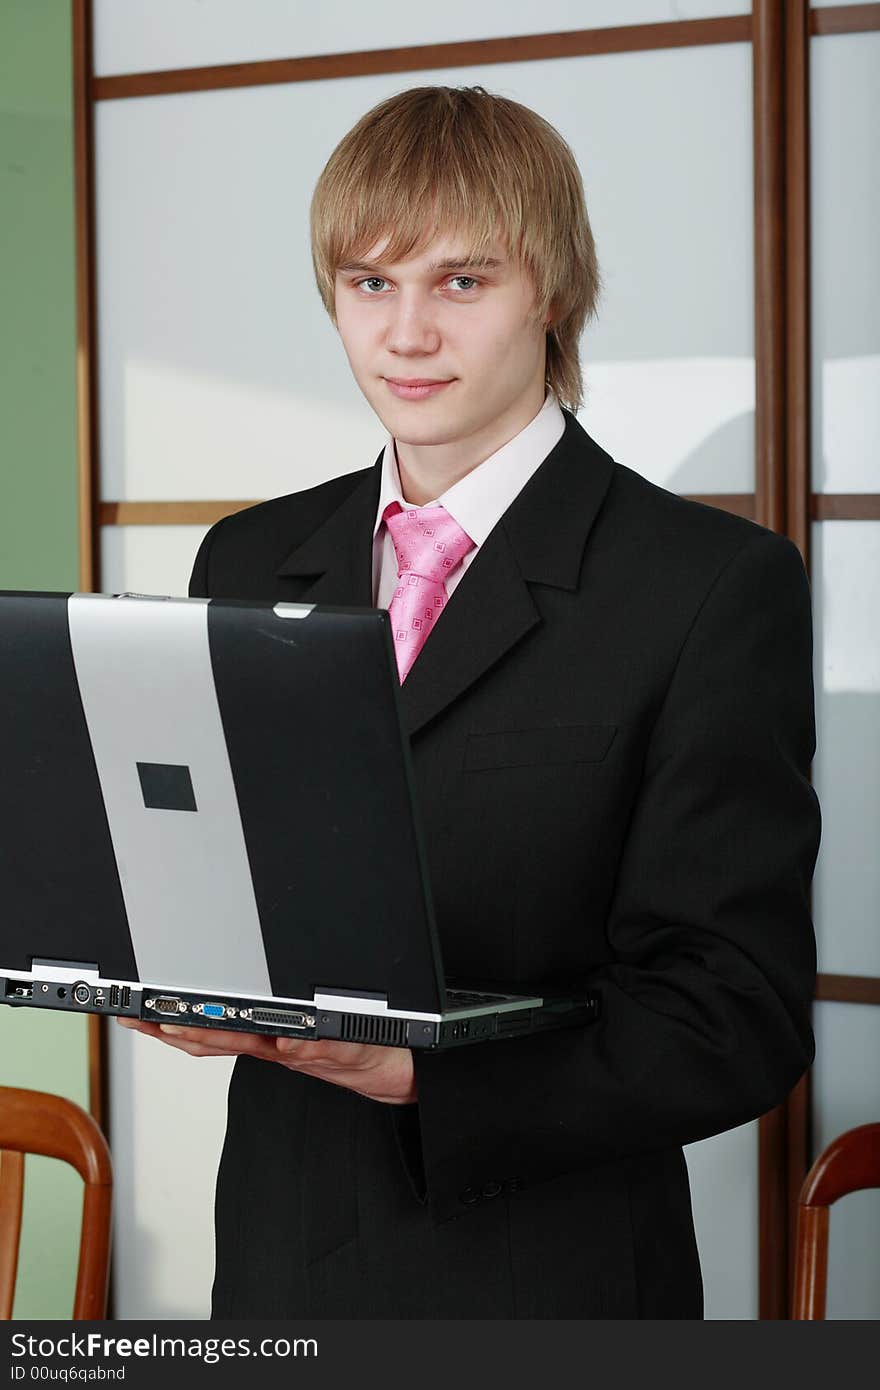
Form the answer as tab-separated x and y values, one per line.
479	499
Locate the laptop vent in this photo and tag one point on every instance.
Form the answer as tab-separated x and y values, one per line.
372	1028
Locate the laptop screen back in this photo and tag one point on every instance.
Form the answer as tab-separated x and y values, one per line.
238	776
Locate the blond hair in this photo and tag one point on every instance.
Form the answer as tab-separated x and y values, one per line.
460	159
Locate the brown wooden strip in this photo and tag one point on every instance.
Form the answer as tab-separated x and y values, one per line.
798	480
166	513
798	1118
798	1108
797	285
845	19
769	224
628	38
845	506
773	1215
86	373
848	989
768	68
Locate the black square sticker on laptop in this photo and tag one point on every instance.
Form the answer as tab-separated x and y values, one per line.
166	787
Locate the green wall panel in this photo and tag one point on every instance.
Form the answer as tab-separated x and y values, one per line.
38	483
38	525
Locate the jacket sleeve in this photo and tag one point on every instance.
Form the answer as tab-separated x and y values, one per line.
706	1005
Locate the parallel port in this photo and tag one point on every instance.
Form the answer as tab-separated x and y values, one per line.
282	1018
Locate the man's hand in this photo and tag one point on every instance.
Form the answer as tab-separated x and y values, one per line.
381	1073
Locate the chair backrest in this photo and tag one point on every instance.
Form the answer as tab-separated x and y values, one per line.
850	1163
35	1122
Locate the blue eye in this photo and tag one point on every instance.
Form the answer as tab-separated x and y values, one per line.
371	280
472	285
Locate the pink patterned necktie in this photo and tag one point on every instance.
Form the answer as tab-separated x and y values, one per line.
429	545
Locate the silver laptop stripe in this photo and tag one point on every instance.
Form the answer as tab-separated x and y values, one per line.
147	688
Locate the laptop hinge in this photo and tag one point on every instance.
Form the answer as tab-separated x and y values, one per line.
342	999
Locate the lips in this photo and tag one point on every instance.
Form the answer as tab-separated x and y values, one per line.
415	388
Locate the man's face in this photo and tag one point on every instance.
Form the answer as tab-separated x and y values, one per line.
436	318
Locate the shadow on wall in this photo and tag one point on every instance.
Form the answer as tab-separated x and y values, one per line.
699	471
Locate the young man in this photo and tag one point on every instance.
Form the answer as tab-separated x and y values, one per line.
609	698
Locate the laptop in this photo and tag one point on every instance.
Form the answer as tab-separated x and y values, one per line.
208	815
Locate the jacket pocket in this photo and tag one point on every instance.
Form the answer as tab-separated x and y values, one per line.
553	744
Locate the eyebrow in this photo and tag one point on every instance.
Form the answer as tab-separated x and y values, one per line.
455	263
473	263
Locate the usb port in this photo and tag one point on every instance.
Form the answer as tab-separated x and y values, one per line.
126	997
114	996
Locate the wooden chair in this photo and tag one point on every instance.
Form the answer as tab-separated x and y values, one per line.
34	1122
850	1163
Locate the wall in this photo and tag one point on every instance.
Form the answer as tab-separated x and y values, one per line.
38	525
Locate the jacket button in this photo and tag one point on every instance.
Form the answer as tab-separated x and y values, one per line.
469	1196
492	1188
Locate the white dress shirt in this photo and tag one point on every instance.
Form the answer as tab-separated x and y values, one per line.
477	501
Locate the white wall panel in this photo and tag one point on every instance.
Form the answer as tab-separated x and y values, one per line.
148	559
845	216
846	774
846	1093
148	35
220	373
168	1117
723	1174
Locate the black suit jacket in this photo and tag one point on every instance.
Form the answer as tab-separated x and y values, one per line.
611	729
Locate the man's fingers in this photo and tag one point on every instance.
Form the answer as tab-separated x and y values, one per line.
344	1063
333	1054
204	1042
151	1030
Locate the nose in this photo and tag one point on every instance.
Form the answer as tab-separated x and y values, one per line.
411	329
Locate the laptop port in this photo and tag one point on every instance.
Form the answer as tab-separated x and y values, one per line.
114	996
210	1010
126	996
280	1018
19	991
81	993
163	1004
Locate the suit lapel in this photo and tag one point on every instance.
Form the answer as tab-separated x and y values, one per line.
489	612
540	539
